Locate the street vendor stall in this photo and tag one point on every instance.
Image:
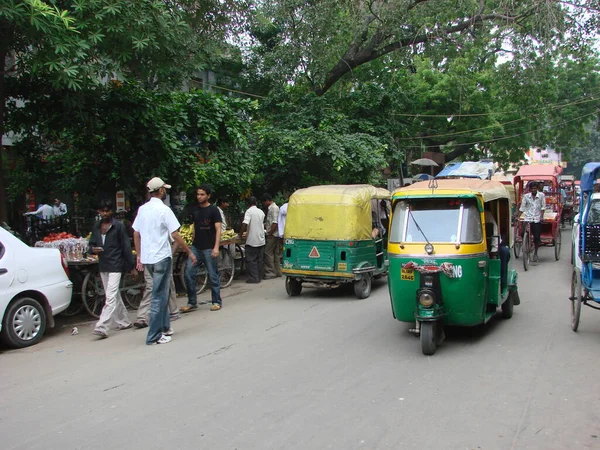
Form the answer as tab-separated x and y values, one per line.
88	291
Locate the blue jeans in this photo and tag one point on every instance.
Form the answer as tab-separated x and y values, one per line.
159	322
191	271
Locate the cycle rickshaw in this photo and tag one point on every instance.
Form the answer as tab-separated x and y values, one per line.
548	175
585	280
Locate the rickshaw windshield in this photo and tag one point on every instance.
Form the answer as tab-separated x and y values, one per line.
594	215
439	221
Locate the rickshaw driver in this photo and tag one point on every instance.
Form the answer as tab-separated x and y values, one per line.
533	206
498	247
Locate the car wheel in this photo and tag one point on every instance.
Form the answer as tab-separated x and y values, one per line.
24	323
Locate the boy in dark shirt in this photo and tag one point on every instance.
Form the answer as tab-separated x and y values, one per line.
207	235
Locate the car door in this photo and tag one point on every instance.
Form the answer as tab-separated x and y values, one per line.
7	274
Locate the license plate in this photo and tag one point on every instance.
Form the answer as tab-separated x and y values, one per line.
407	274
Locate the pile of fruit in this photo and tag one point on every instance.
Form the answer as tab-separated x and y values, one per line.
58	236
228	235
187	233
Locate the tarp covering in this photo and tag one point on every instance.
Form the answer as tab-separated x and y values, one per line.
333	212
589	175
468	169
538	171
489	190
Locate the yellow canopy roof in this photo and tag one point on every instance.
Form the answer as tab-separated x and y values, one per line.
488	189
332	212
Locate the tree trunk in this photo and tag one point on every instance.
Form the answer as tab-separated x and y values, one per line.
3	208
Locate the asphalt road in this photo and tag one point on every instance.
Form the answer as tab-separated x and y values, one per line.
319	371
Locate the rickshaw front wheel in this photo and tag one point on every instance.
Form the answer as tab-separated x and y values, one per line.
508	306
293	286
362	287
576	300
428	337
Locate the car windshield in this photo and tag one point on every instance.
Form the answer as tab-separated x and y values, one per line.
436	220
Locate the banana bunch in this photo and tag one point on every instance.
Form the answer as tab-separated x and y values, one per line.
187	233
228	234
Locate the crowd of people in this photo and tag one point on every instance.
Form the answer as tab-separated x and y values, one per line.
156	239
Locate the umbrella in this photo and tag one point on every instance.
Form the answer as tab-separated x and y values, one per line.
425	162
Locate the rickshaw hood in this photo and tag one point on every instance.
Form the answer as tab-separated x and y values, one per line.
488	189
332	212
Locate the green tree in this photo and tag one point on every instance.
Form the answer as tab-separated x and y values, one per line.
80	43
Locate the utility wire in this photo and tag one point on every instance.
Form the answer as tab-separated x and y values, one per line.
505	137
456	133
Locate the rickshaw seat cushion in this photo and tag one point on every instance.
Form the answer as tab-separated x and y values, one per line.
591	236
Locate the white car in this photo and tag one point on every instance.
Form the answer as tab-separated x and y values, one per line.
34	287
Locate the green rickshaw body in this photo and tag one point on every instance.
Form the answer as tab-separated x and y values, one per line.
463	296
335	260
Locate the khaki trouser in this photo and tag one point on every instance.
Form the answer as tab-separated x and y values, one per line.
143	311
273	250
114	314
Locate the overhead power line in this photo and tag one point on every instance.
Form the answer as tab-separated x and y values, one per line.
504	137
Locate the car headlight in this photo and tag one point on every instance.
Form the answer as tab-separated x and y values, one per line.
426	300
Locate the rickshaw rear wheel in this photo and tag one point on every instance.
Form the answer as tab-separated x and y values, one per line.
293	287
362	287
576	300
557	245
428	337
508	306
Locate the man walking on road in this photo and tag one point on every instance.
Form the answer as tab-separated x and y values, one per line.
154	223
253	227
534	205
273	247
207	236
109	240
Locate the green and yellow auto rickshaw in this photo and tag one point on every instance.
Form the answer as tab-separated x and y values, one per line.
334	235
449	256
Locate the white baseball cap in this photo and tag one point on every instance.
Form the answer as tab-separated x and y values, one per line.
156	183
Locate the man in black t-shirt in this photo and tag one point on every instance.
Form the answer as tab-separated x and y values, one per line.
207	235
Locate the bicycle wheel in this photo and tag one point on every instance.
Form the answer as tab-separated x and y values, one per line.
132	289
226	267
518	241
557	245
526	250
576	300
239	259
92	294
201	276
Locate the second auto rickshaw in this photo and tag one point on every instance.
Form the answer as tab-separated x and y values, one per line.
336	234
449	256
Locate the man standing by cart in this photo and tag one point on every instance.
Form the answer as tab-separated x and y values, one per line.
154	223
109	240
254	231
207	237
533	206
273	247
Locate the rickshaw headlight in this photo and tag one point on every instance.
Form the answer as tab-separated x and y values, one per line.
426	300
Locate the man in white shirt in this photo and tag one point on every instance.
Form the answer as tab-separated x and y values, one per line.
154	223
254	231
222	205
274	246
533	206
281	219
60	209
44	211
